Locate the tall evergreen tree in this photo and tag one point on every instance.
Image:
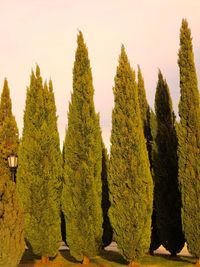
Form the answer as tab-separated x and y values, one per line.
107	229
9	137
155	240
130	180
145	116
189	142
63	222
11	224
144	109
40	170
11	216
167	194
81	199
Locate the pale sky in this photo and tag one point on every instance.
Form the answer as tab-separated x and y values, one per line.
45	32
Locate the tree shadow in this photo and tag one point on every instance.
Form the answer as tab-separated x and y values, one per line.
67	256
113	256
29	257
184	259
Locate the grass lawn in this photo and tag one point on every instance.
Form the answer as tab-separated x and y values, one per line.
107	259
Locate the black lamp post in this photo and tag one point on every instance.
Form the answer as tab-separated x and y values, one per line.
12	162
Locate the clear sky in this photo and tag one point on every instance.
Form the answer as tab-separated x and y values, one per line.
45	31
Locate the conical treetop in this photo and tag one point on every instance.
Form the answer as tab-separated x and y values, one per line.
5	104
81	199
9	137
189	142
129	177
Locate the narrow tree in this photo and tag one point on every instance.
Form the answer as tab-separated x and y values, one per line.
130	180
9	137
155	240
11	216
107	229
144	110
145	116
40	170
81	199
189	142
167	194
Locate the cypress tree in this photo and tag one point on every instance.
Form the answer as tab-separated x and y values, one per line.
11	216
63	222
11	224
144	109
40	170
155	240
107	229
145	116
9	136
167	194
130	180
81	199
189	142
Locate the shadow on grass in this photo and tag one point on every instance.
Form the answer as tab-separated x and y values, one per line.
67	256
29	258
184	259
113	256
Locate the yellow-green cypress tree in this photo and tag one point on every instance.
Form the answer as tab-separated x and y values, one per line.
11	216
40	170
145	116
144	110
130	180
82	189
167	195
189	142
9	136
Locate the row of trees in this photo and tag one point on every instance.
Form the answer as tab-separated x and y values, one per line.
154	167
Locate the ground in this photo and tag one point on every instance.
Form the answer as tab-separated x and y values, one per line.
111	258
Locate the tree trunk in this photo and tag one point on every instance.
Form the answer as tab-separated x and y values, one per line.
198	262
133	264
86	260
173	254
150	253
45	260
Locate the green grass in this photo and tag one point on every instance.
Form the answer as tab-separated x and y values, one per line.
107	259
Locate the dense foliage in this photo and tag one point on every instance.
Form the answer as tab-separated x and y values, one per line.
40	169
11	216
9	137
189	142
145	112
146	122
167	195
155	240
130	180
81	199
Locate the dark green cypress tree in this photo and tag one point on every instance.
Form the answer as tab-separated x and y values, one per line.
167	194
189	142
81	199
63	222
107	229
155	240
130	180
11	216
40	170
